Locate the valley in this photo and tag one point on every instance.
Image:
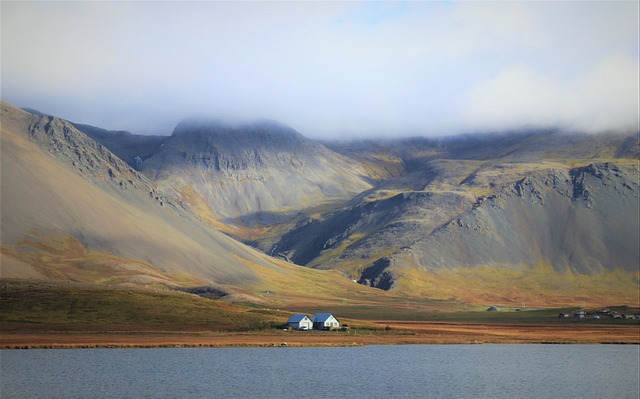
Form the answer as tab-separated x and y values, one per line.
254	215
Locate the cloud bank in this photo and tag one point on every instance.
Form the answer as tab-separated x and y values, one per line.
329	69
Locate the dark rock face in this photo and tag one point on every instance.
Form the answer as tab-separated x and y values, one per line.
256	134
377	275
60	185
393	222
582	219
89	158
131	148
206	291
243	171
233	149
585	220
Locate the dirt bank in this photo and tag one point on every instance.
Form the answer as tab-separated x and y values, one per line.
394	333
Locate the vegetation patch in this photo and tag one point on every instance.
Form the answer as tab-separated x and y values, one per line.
509	287
51	304
65	258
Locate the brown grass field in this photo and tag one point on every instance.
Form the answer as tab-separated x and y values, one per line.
391	332
47	315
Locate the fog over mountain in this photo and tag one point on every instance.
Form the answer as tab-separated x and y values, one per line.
329	69
252	170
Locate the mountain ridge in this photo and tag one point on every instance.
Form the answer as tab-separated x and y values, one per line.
73	211
512	214
388	236
241	174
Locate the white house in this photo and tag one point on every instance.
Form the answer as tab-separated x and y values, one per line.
300	322
325	321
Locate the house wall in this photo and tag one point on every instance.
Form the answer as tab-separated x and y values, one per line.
304	322
331	322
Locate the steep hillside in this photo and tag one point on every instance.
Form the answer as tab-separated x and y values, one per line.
251	174
542	217
581	220
520	146
71	210
498	205
131	148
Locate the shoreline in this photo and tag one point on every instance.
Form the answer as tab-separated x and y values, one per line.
395	333
281	345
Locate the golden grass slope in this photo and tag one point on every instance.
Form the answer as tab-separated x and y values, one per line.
510	287
570	200
42	197
59	224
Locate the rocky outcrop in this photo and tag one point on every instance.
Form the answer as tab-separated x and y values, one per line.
73	210
131	148
91	159
378	275
384	224
246	171
584	220
396	215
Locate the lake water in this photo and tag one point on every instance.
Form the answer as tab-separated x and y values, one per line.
407	371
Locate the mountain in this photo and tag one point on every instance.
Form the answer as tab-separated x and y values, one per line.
131	148
537	216
242	177
544	217
73	211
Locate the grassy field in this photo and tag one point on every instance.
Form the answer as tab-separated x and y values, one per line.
84	304
450	312
23	302
50	315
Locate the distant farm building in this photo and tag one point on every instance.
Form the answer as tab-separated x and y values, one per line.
325	321
300	321
493	309
320	321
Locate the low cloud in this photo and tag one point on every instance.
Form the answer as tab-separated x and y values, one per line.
603	98
328	69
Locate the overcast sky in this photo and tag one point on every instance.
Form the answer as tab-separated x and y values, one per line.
328	69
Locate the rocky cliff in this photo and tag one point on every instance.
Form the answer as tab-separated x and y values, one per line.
252	173
505	209
72	210
582	220
545	216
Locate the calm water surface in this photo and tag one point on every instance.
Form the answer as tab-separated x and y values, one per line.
409	371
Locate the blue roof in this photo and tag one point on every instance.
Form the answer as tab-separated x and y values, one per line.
321	317
297	318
